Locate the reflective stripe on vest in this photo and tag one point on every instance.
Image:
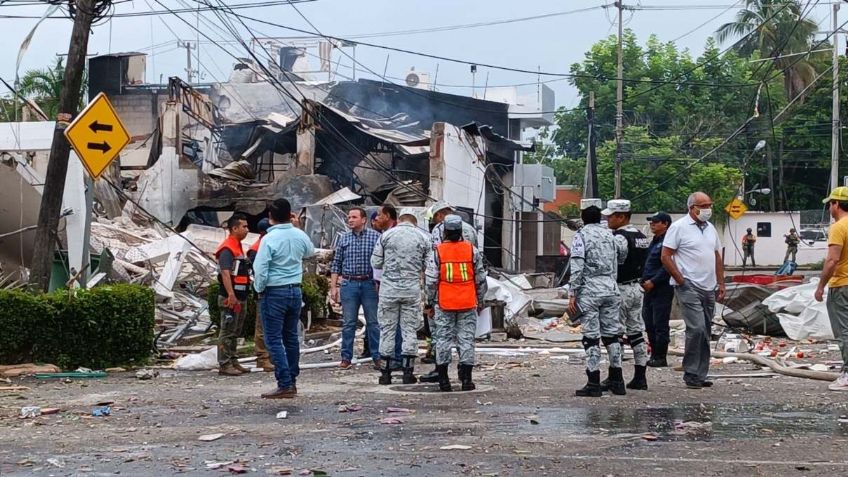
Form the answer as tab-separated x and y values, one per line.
457	290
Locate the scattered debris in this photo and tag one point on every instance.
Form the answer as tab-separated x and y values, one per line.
72	375
212	465
650	437
146	374
350	408
200	361
455	447
283	415
237	469
30	411
13	388
50	410
17	370
400	409
56	462
280	471
101	411
391	420
210	437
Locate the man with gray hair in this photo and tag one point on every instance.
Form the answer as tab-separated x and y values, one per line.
692	255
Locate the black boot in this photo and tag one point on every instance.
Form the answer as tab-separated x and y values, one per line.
386	370
593	385
408	368
431	377
639	380
616	380
444	380
465	377
605	385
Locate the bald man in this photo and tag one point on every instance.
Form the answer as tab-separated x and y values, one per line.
692	255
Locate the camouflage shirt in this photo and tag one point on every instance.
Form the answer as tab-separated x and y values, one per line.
402	253
595	256
469	234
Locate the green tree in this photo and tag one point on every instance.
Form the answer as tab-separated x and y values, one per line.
775	29
44	86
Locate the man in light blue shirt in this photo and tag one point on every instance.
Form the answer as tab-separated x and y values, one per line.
278	272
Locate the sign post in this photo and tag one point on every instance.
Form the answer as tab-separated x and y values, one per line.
736	208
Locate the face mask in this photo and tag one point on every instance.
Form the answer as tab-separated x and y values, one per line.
705	214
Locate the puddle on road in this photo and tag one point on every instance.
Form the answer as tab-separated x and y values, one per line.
680	422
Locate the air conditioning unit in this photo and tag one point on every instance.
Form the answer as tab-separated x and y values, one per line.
418	80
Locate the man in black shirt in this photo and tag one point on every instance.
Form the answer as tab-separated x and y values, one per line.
656	306
629	275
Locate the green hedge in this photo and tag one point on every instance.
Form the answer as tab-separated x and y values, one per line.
98	328
315	289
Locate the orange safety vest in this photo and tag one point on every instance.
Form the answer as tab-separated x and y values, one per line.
255	246
457	289
240	273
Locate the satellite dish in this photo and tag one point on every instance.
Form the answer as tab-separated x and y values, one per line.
412	80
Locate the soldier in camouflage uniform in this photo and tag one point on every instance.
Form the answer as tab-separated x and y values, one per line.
629	278
456	284
594	296
402	253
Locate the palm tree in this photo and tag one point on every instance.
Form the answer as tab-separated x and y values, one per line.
44	86
775	29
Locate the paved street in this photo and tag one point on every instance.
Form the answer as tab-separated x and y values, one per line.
523	421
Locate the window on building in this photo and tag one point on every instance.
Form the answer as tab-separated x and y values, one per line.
763	229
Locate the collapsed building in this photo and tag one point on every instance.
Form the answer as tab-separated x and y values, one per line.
201	152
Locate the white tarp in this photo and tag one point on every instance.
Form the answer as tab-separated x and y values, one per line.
516	300
801	316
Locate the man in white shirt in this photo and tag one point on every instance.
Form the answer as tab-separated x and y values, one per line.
692	255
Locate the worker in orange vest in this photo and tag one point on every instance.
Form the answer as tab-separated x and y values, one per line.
233	288
263	360
456	287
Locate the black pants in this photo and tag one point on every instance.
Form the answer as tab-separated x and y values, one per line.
656	310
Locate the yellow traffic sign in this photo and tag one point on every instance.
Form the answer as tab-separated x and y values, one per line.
97	135
736	208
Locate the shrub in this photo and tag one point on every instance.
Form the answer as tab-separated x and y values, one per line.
98	328
315	289
215	311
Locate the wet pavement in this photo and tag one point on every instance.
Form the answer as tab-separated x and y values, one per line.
523	420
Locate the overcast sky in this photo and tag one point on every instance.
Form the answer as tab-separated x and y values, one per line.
552	43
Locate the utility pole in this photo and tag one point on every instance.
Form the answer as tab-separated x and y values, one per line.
57	167
834	151
619	100
189	70
590	183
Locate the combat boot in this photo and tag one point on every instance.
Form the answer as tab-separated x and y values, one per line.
385	371
616	380
408	369
239	367
465	377
605	385
593	385
640	381
228	369
444	379
431	377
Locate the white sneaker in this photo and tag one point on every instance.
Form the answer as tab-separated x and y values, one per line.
841	383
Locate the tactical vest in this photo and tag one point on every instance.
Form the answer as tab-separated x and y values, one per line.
637	253
240	273
457	288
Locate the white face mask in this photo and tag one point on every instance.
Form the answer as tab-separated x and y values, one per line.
705	214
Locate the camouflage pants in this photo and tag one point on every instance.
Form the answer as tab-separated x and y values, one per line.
455	327
632	321
404	312
601	322
230	329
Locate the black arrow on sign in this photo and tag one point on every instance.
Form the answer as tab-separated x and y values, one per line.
97	127
102	147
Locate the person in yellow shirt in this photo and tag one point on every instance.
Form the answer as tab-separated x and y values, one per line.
835	276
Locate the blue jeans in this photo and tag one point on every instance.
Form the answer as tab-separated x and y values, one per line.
353	294
280	313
